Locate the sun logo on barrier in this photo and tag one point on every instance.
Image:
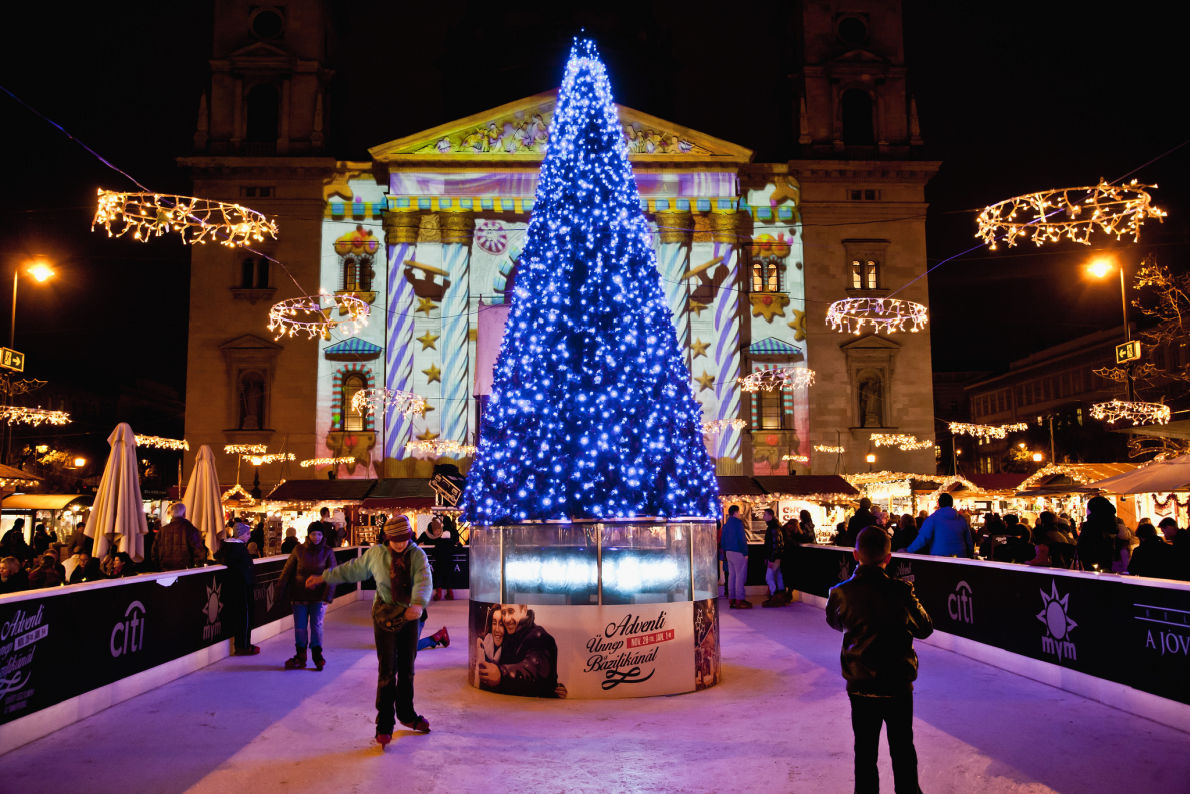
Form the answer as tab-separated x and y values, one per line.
214	603
1055	615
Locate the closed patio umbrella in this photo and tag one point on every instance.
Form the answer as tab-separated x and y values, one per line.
118	514
1162	477
203	503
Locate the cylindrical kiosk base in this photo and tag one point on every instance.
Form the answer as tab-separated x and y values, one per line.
595	609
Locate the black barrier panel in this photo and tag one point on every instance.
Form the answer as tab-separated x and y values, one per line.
1103	626
68	642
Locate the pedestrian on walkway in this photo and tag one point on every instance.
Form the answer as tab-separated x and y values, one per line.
879	616
237	589
309	603
735	547
774	551
403	585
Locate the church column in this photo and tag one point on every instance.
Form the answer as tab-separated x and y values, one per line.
724	234
675	230
457	231
400	234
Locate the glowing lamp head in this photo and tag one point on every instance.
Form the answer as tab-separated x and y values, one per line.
40	271
1100	267
80	462
871	457
1037	457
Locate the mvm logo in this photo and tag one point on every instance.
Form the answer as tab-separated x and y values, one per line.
1056	617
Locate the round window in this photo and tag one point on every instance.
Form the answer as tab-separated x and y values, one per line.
853	31
267	24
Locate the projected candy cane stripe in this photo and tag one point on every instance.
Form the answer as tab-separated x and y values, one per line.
673	262
455	319
727	352
399	353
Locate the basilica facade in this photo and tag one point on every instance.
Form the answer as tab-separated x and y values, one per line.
427	233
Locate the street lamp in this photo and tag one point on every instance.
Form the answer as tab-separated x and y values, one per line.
41	272
1099	268
1037	457
870	458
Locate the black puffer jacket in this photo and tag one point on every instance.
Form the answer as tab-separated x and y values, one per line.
879	616
304	561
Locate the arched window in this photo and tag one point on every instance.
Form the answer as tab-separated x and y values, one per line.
353	420
757	276
771	415
251	398
865	274
859	127
263	114
350	273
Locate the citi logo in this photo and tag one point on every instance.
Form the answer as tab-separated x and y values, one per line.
1056	617
960	605
128	636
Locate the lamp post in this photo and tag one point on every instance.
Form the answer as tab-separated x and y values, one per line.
41	273
1099	268
871	458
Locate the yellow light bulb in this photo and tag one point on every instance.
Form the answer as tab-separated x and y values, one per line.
1100	267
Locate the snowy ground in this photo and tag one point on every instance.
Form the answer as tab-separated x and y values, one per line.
778	723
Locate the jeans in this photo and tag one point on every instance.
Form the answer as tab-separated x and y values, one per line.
308	614
737	568
772	575
867	715
395	651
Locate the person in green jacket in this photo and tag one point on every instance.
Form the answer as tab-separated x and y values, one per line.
403	587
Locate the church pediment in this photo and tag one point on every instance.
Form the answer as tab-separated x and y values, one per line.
249	342
520	131
870	342
259	49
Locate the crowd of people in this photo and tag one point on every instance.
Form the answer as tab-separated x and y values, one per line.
1101	542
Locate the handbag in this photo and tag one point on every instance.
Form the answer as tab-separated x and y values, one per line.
389	617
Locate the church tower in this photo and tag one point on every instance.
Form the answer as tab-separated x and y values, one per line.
862	175
259	141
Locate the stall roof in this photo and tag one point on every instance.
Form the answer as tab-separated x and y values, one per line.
1059	478
1162	477
738	486
400	492
321	491
1001	481
45	501
807	485
10	473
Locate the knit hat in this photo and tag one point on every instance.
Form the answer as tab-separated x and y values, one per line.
397	529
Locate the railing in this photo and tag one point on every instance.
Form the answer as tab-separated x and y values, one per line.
1128	630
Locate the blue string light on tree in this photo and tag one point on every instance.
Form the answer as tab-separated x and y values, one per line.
591	414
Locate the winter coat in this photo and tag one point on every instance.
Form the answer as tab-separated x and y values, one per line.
376	564
179	545
944	534
879	617
288	545
734	537
304	561
1097	536
235	555
44	576
774	541
441	552
90	573
528	662
1153	557
15	583
863	518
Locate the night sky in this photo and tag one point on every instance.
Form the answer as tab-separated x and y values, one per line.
1013	97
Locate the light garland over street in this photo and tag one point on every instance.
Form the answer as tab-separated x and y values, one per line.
196	220
1138	413
876	315
20	415
986	431
157	442
779	378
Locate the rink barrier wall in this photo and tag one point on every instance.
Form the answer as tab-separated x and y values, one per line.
69	652
1123	641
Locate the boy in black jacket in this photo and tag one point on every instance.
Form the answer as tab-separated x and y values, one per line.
879	616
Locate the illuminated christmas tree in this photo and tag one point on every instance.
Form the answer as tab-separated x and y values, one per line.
591	413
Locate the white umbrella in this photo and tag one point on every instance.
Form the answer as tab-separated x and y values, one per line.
1163	477
118	510
204	506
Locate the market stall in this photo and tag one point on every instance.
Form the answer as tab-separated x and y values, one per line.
1066	488
296	503
1159	490
59	512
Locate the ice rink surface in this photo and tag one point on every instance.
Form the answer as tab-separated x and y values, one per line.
779	722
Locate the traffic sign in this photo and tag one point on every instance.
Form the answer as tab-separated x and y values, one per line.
1129	351
12	359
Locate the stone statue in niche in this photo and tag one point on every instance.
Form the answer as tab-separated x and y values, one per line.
870	392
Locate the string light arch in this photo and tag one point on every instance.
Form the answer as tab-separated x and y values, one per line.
1138	413
877	315
145	215
777	378
985	431
403	402
312	315
20	415
1073	213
